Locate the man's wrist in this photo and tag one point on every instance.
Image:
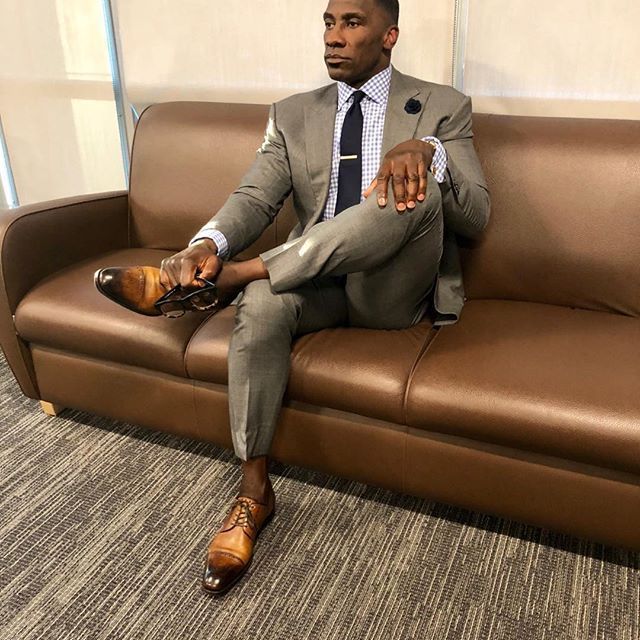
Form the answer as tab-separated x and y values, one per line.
209	243
220	245
431	144
431	148
439	159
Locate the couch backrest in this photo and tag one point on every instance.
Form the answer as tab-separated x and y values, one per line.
187	158
565	221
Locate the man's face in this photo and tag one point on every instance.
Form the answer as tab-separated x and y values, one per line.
358	39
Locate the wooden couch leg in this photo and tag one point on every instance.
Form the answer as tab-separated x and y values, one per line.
51	409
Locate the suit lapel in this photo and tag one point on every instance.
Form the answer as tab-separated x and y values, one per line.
319	120
398	124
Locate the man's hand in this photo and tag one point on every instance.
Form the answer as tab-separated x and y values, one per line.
200	258
407	166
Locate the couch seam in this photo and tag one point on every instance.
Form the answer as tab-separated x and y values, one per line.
425	347
186	348
131	167
405	444
194	404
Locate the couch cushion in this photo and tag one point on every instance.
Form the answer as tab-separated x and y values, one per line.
538	377
565	223
65	311
206	353
364	371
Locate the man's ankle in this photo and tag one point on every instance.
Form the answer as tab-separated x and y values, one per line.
260	493
255	482
240	274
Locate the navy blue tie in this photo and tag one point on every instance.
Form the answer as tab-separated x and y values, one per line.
350	171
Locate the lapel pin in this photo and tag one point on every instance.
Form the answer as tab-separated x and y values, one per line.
413	106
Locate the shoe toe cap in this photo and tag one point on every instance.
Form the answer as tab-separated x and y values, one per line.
107	280
214	582
221	572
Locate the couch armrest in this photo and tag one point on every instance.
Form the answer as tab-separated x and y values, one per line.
37	240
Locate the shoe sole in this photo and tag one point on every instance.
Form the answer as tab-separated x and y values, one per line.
219	592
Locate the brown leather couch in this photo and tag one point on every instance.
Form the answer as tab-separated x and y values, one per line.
528	407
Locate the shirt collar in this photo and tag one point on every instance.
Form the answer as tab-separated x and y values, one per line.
376	88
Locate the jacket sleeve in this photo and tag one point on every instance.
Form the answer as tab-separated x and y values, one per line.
252	207
465	194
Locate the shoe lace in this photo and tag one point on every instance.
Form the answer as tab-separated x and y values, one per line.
243	515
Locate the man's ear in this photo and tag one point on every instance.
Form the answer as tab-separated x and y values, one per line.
391	37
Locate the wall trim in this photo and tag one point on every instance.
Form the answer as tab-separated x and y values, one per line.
7	183
118	88
460	29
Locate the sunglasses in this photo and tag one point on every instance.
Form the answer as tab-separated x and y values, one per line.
174	305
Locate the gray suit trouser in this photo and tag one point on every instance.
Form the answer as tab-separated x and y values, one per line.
367	267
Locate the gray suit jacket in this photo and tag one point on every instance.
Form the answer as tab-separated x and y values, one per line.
295	157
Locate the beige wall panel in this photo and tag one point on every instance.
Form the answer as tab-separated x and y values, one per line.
56	99
569	57
61	145
256	52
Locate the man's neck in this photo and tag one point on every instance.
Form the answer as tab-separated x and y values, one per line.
376	88
360	84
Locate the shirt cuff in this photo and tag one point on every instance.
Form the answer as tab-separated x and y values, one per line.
439	163
217	237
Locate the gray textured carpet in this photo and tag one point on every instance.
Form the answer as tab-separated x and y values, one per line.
104	526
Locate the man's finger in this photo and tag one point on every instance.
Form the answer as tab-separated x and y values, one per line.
413	183
168	277
187	274
382	186
370	188
210	268
424	176
398	181
164	278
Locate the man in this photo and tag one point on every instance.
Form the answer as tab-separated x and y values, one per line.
366	251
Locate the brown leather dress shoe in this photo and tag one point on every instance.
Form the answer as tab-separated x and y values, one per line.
139	289
231	550
136	288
